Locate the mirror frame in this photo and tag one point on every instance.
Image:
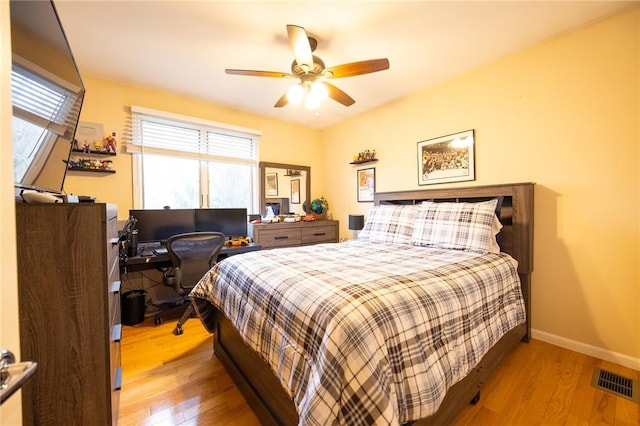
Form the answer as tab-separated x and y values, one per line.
263	167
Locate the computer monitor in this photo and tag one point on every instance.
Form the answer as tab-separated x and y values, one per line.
231	222
158	225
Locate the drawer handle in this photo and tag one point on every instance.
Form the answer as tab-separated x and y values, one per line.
118	381
319	234
116	332
284	237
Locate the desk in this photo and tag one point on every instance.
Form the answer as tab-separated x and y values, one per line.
141	263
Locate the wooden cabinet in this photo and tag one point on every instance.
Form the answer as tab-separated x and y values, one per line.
69	307
271	235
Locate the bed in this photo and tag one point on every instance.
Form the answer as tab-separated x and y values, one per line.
350	328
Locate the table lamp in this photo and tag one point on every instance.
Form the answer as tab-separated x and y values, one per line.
356	223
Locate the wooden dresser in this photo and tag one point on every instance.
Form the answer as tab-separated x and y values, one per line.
271	235
69	307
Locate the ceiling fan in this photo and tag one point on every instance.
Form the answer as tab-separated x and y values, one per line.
312	73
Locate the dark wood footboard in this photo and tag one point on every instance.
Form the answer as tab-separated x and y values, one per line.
273	406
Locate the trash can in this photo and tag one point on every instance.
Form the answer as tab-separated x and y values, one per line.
133	304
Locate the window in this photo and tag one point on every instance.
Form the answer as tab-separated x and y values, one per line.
185	162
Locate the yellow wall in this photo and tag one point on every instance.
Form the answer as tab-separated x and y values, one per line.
564	114
108	102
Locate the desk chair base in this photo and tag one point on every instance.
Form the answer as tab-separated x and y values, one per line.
187	313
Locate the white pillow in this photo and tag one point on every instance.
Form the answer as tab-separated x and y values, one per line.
389	224
459	226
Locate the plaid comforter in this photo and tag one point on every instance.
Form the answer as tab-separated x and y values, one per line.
366	333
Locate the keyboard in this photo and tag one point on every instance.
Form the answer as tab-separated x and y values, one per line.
151	249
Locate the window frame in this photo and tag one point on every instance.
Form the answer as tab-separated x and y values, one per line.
137	150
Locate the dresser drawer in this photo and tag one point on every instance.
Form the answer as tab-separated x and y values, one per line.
318	234
272	235
280	237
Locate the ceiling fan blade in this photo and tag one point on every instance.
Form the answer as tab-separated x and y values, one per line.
358	68
338	95
253	73
299	43
282	101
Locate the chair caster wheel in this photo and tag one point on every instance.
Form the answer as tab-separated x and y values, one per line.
157	320
178	330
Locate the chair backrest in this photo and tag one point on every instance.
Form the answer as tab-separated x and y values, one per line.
192	255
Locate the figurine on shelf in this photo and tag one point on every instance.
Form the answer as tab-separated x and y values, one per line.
110	143
75	145
98	145
106	164
86	147
364	156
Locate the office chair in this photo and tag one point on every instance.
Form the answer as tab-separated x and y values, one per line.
192	255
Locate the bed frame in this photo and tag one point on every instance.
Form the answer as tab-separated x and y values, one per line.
271	403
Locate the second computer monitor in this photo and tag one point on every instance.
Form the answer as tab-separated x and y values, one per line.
231	222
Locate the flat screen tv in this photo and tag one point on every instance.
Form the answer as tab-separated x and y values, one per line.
47	95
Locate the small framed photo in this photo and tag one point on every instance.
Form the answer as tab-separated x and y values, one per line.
295	191
271	180
366	184
447	159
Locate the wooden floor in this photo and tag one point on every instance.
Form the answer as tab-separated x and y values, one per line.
176	380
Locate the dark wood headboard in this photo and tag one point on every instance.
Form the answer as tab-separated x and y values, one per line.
516	215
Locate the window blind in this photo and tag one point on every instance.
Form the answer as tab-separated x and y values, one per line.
163	133
43	102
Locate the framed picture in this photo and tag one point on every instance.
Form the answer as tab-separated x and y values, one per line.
447	159
271	180
295	191
366	184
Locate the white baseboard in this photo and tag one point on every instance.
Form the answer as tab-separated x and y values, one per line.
583	348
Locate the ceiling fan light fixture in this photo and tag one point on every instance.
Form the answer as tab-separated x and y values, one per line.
312	73
317	93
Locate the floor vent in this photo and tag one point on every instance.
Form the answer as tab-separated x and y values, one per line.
616	384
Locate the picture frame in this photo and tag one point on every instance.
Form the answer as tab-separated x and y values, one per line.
446	159
295	191
366	180
271	184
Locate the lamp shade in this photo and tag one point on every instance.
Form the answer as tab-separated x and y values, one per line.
356	222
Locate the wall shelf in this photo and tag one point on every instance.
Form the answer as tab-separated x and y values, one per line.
364	161
81	151
84	169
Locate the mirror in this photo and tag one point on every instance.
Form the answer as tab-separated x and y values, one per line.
285	187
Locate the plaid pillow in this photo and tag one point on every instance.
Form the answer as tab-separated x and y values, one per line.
459	226
389	224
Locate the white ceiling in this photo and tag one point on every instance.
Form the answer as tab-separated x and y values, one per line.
184	46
